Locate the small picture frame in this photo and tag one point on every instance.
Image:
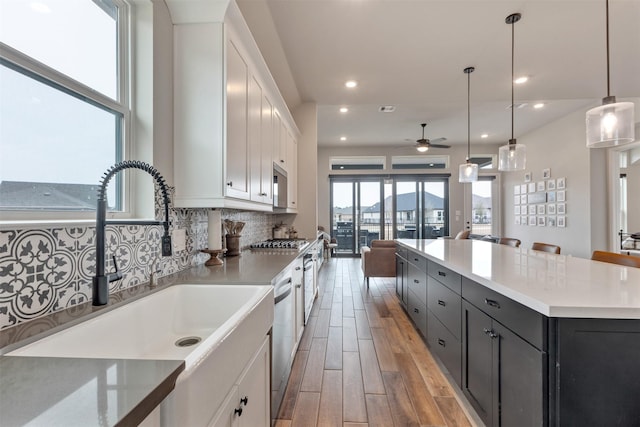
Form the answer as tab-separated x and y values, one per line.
542	221
532	209
524	219
551	209
516	189
532	220
542	210
551	196
523	188
532	187
561	183
523	199
561	196
516	220
546	173
541	186
516	210
561	222
551	221
561	209
551	184
527	177
516	200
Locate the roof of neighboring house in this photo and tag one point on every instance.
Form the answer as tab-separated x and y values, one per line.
18	195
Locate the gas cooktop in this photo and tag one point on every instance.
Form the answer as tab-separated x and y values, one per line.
281	244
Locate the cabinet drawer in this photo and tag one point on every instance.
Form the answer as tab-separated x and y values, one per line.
446	305
448	277
418	313
418	283
447	347
401	252
525	322
417	260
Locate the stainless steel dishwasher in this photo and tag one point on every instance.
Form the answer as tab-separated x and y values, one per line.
282	336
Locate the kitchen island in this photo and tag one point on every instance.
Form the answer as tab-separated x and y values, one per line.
531	338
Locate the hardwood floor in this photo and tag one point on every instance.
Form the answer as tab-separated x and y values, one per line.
361	363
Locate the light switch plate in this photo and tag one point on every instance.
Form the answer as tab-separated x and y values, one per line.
179	239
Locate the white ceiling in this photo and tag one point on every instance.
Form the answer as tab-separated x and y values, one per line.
411	54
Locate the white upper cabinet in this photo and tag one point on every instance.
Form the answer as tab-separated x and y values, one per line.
230	121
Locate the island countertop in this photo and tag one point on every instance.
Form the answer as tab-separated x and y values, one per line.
553	285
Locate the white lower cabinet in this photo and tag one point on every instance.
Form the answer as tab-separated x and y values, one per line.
248	402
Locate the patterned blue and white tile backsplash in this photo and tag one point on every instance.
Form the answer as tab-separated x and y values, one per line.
46	270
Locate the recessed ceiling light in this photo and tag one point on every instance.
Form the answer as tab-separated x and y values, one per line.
521	80
351	84
538	105
343	138
344	109
39	7
484	135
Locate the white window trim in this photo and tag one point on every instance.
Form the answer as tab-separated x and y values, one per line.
125	33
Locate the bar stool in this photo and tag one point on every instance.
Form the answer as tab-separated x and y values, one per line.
509	242
545	247
464	234
616	258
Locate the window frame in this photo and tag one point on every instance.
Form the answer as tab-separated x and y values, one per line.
34	69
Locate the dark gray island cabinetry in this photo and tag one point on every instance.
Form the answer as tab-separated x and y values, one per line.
533	339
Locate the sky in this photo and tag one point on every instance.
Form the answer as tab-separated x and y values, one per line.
46	135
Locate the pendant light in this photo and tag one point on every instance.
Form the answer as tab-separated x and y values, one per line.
512	157
611	123
468	171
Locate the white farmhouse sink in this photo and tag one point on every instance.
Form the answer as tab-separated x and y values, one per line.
230	321
149	328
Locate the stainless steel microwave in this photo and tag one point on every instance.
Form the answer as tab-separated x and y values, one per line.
279	187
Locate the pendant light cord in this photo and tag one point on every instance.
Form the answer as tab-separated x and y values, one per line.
512	74
468	116
607	27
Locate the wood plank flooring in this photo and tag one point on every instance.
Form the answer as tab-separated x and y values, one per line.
361	363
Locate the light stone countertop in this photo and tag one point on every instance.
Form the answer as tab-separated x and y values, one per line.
67	392
553	285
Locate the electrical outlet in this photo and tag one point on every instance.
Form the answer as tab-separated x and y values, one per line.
179	238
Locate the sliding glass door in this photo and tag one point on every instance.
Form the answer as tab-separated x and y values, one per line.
404	207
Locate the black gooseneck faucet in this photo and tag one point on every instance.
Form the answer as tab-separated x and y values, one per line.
100	290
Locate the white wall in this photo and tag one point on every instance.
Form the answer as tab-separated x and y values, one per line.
457	156
306	118
561	147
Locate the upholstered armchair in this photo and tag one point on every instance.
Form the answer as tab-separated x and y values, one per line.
379	260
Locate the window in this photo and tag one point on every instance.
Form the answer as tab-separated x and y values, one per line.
64	103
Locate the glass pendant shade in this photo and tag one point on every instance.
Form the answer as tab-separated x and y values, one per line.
468	172
610	124
512	157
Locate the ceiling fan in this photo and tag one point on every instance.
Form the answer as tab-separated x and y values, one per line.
423	145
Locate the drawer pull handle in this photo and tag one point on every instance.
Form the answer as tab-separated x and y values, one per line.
230	183
442	303
416	281
442	342
442	273
490	333
415	310
492	303
416	259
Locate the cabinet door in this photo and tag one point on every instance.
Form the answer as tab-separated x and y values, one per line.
400	266
477	362
237	169
254	391
254	134
292	171
418	282
266	168
297	279
279	148
227	415
521	369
